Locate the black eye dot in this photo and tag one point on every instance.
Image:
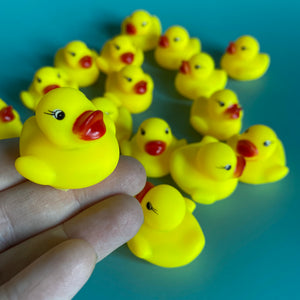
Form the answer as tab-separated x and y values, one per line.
227	167
117	47
176	39
39	80
243	48
149	206
197	66
58	114
167	130
143	132
221	103
267	143
58	75
246	131
129	79
73	53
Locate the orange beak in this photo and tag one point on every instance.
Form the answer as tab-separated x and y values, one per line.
231	49
141	87
240	166
164	41
155	147
233	111
127	58
130	29
148	186
246	148
86	62
185	67
6	114
49	88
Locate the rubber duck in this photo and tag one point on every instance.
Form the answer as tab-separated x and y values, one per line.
10	123
68	144
79	62
120	115
152	145
207	170
174	47
242	60
219	115
45	79
143	29
131	88
263	152
198	77
170	235
118	53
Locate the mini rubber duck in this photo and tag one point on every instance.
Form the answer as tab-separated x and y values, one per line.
264	154
219	115
45	79
10	123
152	145
118	53
79	62
174	47
131	88
242	60
208	170
68	144
120	115
198	77
143	29
170	235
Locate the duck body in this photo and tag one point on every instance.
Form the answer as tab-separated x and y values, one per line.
86	141
211	167
242	60
219	116
170	236
264	154
198	77
174	47
143	29
130	88
118	53
79	62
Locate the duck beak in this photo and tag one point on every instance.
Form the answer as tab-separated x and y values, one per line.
164	41
140	196
86	62
6	114
233	111
246	148
141	87
127	58
90	125
185	67
231	49
49	88
130	29
155	147
240	166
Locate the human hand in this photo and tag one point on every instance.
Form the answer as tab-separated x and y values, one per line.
50	240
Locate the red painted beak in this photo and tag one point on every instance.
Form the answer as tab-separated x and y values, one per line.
49	88
86	62
6	114
164	41
148	186
231	49
89	125
240	166
130	29
185	67
246	148
155	147
127	58
141	87
233	111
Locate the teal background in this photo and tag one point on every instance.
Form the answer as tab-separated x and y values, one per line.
252	238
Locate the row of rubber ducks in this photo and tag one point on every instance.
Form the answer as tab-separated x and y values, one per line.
65	120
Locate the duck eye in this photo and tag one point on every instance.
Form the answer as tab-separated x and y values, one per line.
144	23
167	131
143	132
221	103
227	167
149	206
267	143
243	48
73	53
176	39
197	66
117	47
128	79
58	75
246	131
39	80
58	114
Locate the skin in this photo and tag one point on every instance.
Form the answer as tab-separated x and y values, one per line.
50	240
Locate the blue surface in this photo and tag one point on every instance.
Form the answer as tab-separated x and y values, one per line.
253	241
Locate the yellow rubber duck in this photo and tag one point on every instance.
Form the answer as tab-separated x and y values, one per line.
174	47
199	78
120	115
170	235
68	144
208	170
131	88
264	154
118	53
45	79
219	115
10	122
242	60
143	29
79	62
152	145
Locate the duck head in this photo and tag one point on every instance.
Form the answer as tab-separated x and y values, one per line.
139	23
163	206
245	47
175	38
154	136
